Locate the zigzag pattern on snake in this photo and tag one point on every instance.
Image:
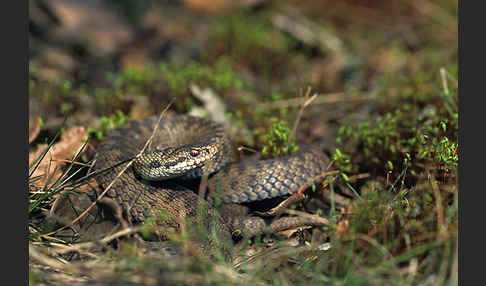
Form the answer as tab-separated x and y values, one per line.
234	183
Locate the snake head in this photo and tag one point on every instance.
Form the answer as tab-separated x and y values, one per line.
161	164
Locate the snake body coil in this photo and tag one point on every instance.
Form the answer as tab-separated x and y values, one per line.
187	146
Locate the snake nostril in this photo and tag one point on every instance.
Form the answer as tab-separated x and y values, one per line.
170	164
154	164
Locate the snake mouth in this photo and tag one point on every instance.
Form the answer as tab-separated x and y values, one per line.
170	163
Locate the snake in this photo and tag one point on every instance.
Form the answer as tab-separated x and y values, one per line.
184	148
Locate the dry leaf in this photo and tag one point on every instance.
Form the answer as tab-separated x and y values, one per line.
71	141
34	129
220	6
343	225
289	232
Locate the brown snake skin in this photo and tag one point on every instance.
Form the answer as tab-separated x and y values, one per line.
235	183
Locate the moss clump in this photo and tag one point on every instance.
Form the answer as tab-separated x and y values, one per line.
167	78
341	161
277	141
219	76
108	123
418	121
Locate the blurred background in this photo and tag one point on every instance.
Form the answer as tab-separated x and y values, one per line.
90	58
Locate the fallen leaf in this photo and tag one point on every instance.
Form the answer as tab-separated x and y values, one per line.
71	141
220	6
343	225
34	129
289	232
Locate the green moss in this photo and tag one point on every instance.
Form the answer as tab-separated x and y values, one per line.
166	78
136	80
446	153
277	141
341	161
220	76
417	120
108	123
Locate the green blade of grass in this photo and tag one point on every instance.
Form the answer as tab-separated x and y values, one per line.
409	255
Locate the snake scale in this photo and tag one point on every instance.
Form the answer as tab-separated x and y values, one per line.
186	147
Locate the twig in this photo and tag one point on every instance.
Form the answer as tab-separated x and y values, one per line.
327	98
307	100
438	205
322	220
149	141
71	162
444	81
44	259
66	248
65	174
354	178
92	244
297	196
241	148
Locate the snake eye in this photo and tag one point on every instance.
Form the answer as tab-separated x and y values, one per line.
194	152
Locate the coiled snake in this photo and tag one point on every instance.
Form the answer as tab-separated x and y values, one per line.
186	147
